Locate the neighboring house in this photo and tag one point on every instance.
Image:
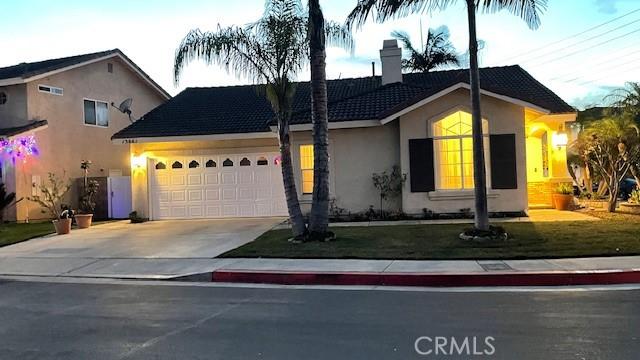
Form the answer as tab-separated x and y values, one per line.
62	108
213	152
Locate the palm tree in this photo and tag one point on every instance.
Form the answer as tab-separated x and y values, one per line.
528	10
271	52
319	217
438	52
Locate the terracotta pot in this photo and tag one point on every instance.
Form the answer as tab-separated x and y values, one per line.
63	226
84	220
631	208
562	201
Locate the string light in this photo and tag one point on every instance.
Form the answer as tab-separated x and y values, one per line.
19	149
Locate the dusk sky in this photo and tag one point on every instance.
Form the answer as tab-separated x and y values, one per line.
581	69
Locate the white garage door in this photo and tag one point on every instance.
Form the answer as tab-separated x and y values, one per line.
215	186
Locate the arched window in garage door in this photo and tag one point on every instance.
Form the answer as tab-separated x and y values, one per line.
227	162
176	165
245	162
194	164
211	164
161	166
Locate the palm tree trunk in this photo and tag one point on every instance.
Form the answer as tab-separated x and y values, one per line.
481	218
291	193
319	217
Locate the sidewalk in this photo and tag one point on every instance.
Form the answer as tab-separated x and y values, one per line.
583	271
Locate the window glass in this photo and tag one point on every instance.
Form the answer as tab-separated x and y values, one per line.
102	114
453	148
245	162
262	161
306	167
161	166
193	164
176	165
211	164
89	112
227	162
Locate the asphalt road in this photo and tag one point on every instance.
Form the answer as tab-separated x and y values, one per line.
116	321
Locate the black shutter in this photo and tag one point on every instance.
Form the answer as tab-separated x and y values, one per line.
421	165
504	174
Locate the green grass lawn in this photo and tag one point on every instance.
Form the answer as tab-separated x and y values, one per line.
14	233
614	235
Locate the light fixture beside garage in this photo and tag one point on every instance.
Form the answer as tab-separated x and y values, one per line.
139	161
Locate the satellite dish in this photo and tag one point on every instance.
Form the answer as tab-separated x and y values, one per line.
125	107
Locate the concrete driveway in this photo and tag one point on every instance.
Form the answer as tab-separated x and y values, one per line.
157	249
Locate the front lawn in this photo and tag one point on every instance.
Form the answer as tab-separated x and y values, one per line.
14	233
611	236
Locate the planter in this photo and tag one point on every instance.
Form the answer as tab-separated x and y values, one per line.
562	201
630	208
63	226
83	220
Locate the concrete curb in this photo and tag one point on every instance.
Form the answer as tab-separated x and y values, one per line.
559	278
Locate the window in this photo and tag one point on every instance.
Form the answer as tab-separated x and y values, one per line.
306	168
453	149
227	162
210	164
245	162
176	165
161	166
96	113
110	68
3	98
262	161
51	90
194	164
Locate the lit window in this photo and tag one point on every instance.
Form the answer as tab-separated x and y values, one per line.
453	148
96	113
306	167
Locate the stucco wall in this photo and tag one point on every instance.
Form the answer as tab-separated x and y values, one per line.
14	111
355	154
503	118
67	140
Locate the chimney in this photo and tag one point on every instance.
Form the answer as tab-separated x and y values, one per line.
391	58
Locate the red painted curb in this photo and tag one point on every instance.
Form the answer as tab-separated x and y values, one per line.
429	280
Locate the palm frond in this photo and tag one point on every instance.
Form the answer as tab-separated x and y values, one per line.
527	10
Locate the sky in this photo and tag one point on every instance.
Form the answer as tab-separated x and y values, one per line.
583	50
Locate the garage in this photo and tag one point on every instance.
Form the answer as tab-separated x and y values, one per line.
217	186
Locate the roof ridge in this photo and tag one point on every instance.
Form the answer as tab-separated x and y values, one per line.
61	58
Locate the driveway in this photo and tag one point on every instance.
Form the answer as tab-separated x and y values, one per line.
156	249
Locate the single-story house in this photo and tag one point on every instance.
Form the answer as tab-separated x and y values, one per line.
57	112
213	152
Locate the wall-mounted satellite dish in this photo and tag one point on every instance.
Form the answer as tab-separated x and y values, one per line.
125	107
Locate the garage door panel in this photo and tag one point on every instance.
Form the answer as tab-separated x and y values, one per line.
213	186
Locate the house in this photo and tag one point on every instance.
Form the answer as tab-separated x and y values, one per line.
213	152
56	113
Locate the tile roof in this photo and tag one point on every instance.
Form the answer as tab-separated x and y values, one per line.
17	130
243	109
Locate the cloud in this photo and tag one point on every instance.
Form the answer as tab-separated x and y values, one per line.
609	6
593	98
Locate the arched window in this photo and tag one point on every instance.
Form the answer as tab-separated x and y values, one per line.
161	166
453	150
194	164
245	162
262	161
227	162
211	164
176	165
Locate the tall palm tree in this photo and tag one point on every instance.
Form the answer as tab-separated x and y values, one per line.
438	52
271	52
319	217
528	10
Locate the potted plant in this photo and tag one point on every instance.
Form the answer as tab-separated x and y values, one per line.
563	197
50	201
633	204
87	204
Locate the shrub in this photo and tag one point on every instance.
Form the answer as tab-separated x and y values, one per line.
52	195
564	189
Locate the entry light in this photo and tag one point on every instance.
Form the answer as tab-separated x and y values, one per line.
560	139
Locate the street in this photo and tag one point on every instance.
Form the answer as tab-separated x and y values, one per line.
58	320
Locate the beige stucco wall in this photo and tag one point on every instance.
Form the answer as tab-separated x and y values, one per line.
503	118
14	111
67	140
355	154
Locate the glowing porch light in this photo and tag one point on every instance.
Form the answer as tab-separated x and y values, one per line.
560	139
139	161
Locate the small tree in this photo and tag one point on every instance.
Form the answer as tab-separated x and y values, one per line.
610	147
87	203
389	185
52	195
6	199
